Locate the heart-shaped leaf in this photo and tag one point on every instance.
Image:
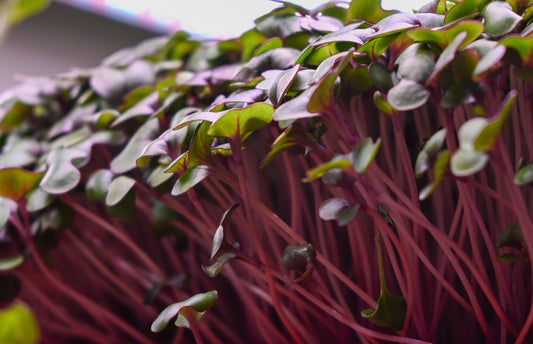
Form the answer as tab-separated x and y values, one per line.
15	183
407	95
500	18
62	176
190	310
467	161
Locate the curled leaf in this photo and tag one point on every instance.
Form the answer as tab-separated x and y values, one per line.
296	257
190	310
390	312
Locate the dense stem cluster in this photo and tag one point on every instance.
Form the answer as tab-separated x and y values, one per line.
343	174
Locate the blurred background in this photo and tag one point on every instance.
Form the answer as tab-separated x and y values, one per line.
80	33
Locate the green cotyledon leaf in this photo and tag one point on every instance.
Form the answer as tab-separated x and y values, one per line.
15	183
186	311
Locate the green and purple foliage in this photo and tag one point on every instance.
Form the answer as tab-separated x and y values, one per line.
343	174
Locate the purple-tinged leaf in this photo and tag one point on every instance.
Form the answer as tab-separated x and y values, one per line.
281	85
118	189
7	206
61	175
321	23
19	152
349	33
320	100
127	159
108	82
338	209
500	18
247	97
204	116
489	62
144	108
295	108
446	57
407	95
72	120
139	73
